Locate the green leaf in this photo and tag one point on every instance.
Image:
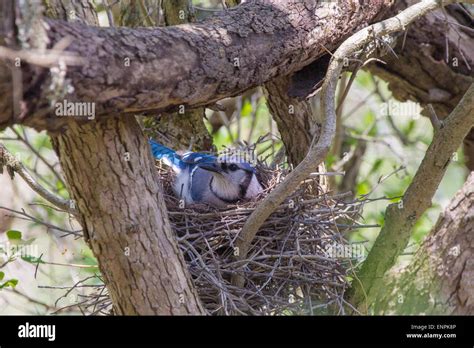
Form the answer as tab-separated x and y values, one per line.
9	283
59	185
246	109
14	235
376	166
363	187
2	275
410	127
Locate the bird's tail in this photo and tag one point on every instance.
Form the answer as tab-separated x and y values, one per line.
168	156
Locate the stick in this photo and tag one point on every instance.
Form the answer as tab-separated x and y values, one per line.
14	165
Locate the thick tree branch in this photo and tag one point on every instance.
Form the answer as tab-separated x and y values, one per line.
184	129
174	66
439	279
434	63
400	218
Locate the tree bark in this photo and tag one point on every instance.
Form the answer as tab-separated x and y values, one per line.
188	73
185	129
297	123
175	66
440	279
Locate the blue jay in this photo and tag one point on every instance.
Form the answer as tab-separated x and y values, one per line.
203	178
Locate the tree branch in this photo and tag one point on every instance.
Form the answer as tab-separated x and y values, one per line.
319	149
152	70
110	172
184	129
442	268
14	165
421	72
400	219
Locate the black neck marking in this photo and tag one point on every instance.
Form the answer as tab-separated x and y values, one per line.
245	184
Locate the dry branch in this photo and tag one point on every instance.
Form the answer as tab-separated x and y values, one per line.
14	165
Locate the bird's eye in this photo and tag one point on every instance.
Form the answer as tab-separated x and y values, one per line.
233	167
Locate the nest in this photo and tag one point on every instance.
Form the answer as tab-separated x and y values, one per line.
288	270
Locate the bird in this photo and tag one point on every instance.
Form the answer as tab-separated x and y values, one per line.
204	178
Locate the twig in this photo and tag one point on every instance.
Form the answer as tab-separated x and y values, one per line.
46	59
30	299
25	141
32	218
310	163
405	141
145	13
435	121
108	11
14	165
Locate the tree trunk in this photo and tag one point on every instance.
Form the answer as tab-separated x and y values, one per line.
440	279
297	123
112	178
107	163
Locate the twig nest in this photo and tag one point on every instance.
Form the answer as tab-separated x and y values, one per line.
291	267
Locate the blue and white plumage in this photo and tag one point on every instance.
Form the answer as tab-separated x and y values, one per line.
203	178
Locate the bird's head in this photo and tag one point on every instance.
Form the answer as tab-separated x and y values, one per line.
232	181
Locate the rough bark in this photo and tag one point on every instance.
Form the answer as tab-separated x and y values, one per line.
297	123
185	129
111	176
174	66
440	279
130	91
434	63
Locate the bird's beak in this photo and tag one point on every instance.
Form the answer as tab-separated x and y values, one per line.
211	167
